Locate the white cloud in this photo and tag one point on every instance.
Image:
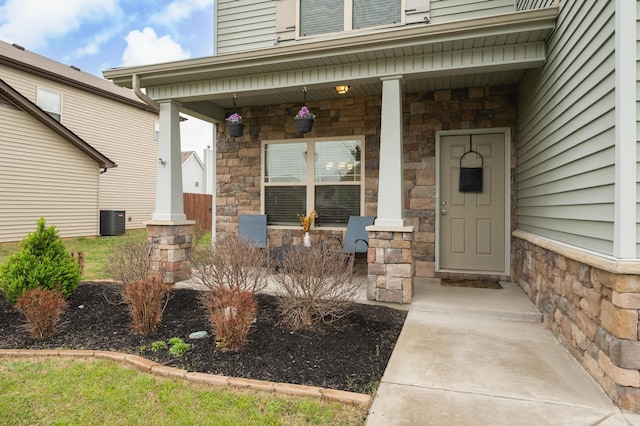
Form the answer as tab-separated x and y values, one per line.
178	11
94	44
32	23
147	48
195	135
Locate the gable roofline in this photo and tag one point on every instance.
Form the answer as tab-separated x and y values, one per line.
24	104
16	57
188	154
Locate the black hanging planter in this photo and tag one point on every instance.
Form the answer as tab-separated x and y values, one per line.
304	125
235	129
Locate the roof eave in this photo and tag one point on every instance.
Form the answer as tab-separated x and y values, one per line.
525	20
32	109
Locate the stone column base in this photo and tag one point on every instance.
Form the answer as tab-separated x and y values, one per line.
390	264
171	249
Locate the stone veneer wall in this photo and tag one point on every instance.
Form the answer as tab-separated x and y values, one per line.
592	312
238	160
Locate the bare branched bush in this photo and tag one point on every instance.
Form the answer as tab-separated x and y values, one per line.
129	259
316	287
231	313
146	300
232	263
42	309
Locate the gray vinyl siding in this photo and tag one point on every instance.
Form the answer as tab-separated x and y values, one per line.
533	4
245	25
565	154
123	133
454	10
43	175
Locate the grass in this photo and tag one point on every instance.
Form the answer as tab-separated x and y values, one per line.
75	391
68	391
95	251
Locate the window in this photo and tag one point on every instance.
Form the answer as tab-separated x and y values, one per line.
331	16
50	102
329	180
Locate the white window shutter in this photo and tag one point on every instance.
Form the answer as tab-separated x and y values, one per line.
416	11
286	19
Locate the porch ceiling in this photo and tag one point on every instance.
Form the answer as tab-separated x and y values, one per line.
470	53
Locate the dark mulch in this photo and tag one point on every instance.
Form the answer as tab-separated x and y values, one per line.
351	356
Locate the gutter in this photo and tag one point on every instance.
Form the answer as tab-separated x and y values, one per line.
535	19
135	79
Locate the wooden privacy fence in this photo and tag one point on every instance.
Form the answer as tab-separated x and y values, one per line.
198	207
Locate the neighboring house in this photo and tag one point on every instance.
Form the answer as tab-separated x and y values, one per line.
544	91
193	173
62	131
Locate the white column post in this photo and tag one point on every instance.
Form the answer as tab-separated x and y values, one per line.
169	204
391	175
624	241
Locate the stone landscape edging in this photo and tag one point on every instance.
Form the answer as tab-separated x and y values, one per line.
147	366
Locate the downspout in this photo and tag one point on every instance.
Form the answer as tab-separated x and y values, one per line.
135	81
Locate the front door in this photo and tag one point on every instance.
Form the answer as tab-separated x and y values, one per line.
472	229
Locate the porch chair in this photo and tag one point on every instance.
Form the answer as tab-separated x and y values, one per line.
356	239
253	229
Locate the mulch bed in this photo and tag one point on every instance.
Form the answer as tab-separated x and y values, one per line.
351	355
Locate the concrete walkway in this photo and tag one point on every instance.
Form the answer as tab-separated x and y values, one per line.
482	357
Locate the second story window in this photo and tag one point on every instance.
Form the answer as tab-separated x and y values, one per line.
330	16
50	102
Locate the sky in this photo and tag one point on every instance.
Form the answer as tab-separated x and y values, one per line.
95	35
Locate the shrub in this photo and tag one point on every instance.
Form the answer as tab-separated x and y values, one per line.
42	262
42	308
231	313
317	287
129	259
177	346
146	300
232	263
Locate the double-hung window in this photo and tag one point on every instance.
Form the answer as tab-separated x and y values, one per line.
322	174
330	16
50	102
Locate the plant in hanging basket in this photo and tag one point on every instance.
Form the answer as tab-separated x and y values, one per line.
234	125
304	120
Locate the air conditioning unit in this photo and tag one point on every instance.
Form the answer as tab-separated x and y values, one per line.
112	222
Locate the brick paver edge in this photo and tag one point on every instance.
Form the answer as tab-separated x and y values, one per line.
150	367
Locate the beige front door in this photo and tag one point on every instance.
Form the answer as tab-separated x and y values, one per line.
472	224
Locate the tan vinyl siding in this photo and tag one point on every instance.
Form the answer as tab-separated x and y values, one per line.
245	24
122	133
454	10
565	164
533	4
43	175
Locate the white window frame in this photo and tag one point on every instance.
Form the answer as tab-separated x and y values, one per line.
311	183
411	12
57	115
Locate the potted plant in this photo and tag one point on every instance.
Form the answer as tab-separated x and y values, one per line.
305	120
234	125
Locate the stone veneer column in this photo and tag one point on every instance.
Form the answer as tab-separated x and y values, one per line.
390	264
171	249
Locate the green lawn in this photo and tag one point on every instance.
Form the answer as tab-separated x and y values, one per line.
95	251
79	392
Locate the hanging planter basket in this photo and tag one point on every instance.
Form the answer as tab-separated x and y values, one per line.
235	129
304	125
